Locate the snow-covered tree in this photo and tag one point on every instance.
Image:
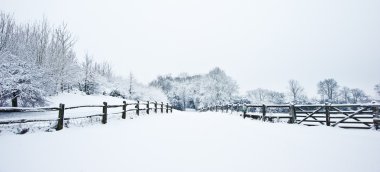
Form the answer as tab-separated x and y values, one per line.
345	94
131	85
296	92
88	85
257	96
264	96
358	96
377	89
328	90
20	81
185	91
217	88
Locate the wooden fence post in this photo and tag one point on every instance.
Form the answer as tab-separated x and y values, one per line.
61	114
167	107
245	108
292	113
162	107
138	108
376	116
155	107
327	110
124	114
264	108
171	109
104	119
147	108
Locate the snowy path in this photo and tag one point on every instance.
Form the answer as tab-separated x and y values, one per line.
192	142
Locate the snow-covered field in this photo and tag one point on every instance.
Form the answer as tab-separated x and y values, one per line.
192	141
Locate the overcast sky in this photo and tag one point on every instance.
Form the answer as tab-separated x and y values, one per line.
259	43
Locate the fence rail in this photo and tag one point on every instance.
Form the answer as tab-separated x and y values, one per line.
134	107
355	116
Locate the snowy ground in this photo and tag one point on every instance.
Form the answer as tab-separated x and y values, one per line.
191	141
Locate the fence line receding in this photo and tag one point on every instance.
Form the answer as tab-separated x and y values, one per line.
355	116
135	107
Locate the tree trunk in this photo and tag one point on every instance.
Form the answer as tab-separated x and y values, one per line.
14	100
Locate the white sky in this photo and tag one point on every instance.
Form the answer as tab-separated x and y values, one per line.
259	43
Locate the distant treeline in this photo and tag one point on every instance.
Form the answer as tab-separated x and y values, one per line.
216	88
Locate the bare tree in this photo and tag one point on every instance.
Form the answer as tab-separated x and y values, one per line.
328	89
42	41
358	95
258	95
104	69
276	97
296	91
7	27
131	89
377	88
345	94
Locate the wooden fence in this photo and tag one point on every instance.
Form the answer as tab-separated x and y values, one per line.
138	107
354	116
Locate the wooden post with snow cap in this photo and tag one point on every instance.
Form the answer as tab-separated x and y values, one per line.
244	110
104	117
327	111
292	113
61	114
155	107
124	114
264	108
376	115
162	107
147	107
137	108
